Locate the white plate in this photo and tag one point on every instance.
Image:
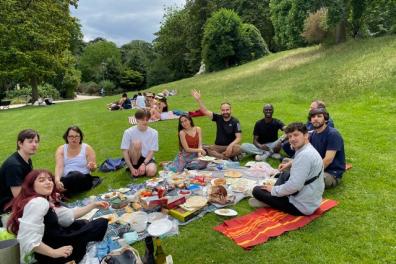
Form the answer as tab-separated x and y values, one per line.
239	189
226	212
159	227
213	182
110	194
207	158
124	190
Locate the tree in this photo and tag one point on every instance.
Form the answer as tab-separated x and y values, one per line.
221	40
100	60
131	80
252	44
33	38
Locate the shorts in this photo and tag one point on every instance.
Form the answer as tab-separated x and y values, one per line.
140	161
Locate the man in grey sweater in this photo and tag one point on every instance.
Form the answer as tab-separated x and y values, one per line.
302	193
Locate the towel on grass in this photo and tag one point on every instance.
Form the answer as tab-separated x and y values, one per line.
257	227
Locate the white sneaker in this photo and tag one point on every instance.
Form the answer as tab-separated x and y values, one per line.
261	157
276	156
253	202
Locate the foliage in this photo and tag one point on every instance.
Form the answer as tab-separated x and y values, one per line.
252	45
33	37
90	88
108	86
158	72
221	39
170	43
131	80
45	90
100	60
380	17
315	27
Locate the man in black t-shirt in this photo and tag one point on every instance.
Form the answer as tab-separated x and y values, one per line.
15	168
228	133
265	136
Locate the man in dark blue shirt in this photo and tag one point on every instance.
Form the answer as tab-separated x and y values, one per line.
228	133
330	145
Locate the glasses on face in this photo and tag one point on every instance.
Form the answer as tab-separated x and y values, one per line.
73	137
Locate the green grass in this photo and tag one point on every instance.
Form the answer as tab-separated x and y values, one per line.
357	81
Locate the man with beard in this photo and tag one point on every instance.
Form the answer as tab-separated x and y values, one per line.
330	145
228	134
138	146
265	136
15	168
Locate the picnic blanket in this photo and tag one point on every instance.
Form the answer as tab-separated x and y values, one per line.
257	227
164	116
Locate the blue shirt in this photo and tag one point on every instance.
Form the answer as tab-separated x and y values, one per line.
310	127
330	139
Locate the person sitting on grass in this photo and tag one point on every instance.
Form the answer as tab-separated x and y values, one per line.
138	146
330	145
75	161
302	193
228	134
123	103
265	136
47	232
190	145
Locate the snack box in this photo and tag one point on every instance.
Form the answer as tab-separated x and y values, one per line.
184	215
150	202
170	202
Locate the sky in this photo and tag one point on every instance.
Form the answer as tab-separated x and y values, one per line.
121	21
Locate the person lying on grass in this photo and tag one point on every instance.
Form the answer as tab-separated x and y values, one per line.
46	231
138	146
302	193
190	145
228	133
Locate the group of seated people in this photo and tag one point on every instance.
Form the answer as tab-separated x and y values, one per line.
51	233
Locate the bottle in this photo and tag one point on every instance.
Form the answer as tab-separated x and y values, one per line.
160	256
149	254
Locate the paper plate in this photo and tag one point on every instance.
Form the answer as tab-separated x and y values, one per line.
232	174
124	190
239	189
159	227
196	201
218	181
156	216
207	158
109	196
226	212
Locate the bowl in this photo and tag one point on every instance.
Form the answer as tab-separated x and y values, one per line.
139	221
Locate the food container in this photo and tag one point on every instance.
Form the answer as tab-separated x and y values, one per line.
139	221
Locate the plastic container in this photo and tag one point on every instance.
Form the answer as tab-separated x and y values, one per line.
139	221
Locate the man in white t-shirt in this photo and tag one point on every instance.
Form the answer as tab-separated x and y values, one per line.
138	146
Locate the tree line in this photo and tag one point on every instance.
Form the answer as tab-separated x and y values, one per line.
41	44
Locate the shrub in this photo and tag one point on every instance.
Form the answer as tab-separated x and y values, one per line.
252	45
44	91
108	86
89	88
315	27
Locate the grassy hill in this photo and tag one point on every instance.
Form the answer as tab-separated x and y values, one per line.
356	80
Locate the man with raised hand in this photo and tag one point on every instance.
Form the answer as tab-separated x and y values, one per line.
330	145
228	133
302	193
138	146
15	168
265	136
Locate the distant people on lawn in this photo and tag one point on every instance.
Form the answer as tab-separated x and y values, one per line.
302	193
265	136
75	161
190	146
47	231
138	146
15	168
228	133
330	145
123	103
140	101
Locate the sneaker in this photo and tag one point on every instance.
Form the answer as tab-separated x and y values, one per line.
276	156
253	202
261	157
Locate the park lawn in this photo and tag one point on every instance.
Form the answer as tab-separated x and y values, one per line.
356	80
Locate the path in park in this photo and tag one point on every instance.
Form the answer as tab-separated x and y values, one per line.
78	98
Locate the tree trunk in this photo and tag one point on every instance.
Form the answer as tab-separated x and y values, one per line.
340	31
35	94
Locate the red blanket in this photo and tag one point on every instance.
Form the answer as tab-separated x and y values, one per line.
258	226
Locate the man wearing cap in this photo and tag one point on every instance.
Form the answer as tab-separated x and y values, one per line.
330	145
228	134
265	136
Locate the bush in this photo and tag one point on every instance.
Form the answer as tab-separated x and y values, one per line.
44	91
252	44
90	88
108	86
315	27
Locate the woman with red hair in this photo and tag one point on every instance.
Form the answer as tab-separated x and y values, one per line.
47	232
